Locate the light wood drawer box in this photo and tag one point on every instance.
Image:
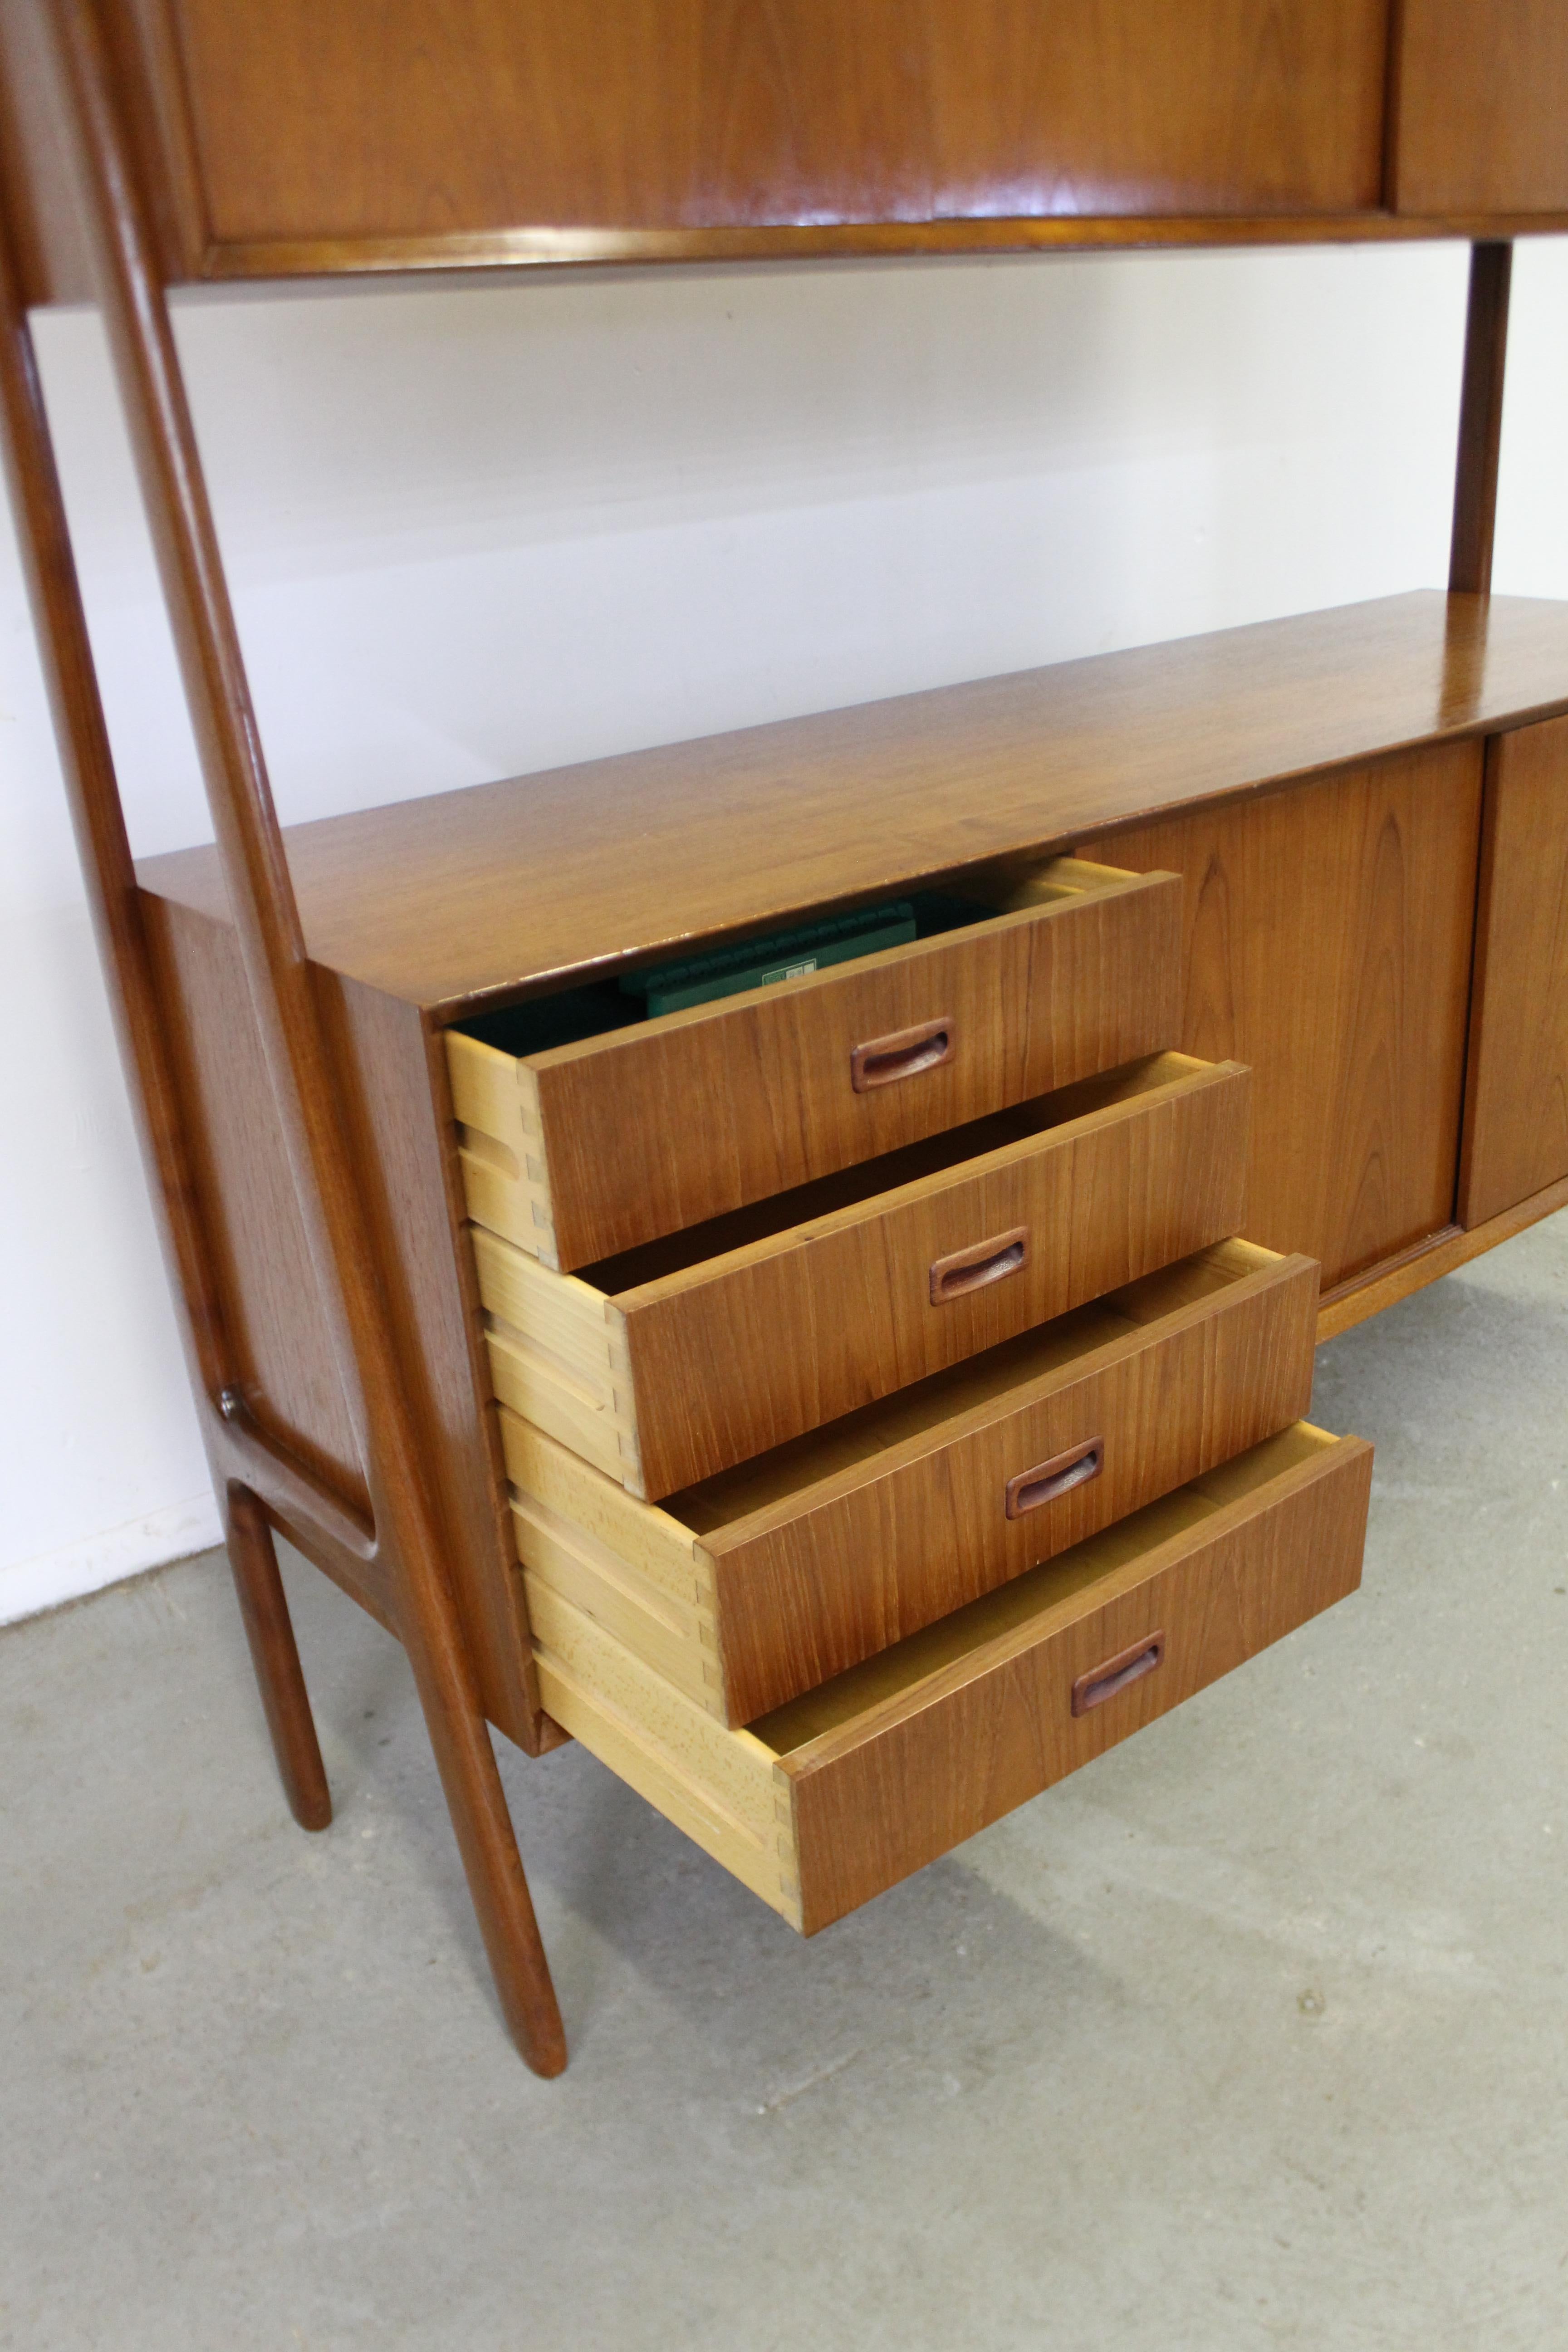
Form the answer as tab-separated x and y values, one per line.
779	1574
678	1359
584	1149
842	1793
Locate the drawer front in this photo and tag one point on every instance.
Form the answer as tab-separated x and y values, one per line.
716	1358
888	1791
751	1350
746	1605
836	1797
591	1148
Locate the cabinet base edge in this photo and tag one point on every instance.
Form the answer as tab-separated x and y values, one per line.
1354	1302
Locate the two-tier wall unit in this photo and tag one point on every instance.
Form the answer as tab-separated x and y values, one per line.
795	1259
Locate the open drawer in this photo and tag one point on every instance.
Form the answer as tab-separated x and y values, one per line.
674	1362
575	1152
774	1576
828	1801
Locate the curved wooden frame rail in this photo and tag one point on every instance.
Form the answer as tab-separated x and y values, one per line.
392	1561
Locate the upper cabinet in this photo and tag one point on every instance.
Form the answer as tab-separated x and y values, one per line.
1480	121
280	138
394	118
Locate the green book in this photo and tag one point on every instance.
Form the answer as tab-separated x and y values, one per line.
758	963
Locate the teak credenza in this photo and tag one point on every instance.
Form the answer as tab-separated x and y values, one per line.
848	1405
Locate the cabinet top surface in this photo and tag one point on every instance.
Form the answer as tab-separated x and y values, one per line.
473	895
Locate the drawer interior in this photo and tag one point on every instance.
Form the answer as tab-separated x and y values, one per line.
570	1016
585	1129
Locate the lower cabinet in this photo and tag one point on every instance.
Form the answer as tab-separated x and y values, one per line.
1516	1103
1328	929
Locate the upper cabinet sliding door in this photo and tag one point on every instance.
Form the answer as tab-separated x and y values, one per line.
1479	120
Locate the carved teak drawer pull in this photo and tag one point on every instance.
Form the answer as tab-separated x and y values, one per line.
1128	1665
902	1054
965	1270
1059	1475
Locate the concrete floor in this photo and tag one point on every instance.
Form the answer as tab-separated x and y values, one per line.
1251	2034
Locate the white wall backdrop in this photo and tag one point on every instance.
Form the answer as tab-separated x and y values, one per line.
478	532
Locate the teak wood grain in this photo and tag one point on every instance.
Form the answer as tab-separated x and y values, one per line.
282	1360
882	1792
482	893
1354	1302
740	1334
782	1572
1480	98
1516	1102
613	1141
297	141
382	119
1328	934
823	1804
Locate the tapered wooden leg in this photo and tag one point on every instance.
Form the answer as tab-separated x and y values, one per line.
460	1736
475	1800
275	1655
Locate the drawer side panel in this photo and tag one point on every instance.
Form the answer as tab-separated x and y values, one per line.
720	1786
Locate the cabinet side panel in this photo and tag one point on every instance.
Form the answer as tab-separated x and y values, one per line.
393	1074
272	1301
1516	1106
1482	99
1328	935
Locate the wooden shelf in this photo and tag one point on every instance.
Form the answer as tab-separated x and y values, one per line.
476	895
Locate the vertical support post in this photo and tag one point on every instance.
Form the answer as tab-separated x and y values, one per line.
1480	420
277	970
99	821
